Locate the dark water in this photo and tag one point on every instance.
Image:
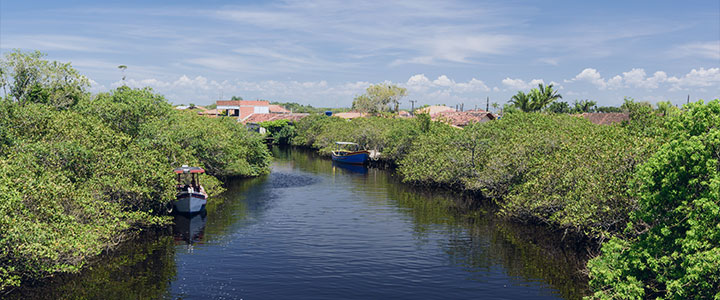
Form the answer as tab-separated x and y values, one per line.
312	230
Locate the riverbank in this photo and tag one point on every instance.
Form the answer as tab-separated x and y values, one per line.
625	187
311	230
80	174
557	170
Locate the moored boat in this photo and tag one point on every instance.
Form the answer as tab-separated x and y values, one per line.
191	196
349	153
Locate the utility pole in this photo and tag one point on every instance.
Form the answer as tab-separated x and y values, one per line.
412	110
688	101
487	104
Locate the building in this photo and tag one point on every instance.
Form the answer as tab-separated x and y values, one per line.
242	109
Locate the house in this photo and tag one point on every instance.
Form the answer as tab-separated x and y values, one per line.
243	108
431	110
404	114
463	118
277	109
606	118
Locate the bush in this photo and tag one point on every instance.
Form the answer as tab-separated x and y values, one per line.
674	244
389	136
80	174
71	188
554	169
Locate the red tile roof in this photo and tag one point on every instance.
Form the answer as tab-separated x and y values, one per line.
278	109
463	118
606	118
257	118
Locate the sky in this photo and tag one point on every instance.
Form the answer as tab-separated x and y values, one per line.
325	53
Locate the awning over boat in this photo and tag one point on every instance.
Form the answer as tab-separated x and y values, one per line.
186	169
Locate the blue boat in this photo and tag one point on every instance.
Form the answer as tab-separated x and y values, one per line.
349	153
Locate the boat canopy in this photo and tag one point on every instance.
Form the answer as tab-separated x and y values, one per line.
345	143
186	169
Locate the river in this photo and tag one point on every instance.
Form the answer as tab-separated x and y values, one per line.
314	230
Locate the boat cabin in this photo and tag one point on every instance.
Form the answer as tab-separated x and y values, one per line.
188	178
342	148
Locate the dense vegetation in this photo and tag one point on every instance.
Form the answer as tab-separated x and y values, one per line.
672	244
81	173
646	190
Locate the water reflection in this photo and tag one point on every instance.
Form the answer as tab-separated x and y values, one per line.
351	169
189	229
315	230
476	240
140	269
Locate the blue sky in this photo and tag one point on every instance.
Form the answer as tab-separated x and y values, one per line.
326	52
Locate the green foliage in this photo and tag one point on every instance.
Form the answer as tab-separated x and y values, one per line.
281	131
127	110
559	107
521	101
379	98
392	137
584	106
542	96
29	79
79	177
555	169
608	109
644	121
536	100
673	248
235	98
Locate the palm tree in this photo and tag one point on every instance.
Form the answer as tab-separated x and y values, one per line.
521	101
542	96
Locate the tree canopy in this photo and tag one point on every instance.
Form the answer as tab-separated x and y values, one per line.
26	77
379	98
537	99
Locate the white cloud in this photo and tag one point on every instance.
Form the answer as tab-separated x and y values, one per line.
519	84
590	75
709	50
637	78
443	80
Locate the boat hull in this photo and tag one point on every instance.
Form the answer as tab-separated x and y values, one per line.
353	158
190	202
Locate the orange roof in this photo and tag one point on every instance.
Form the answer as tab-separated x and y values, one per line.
606	118
278	109
257	118
243	102
463	118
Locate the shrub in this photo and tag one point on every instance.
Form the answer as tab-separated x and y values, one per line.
554	169
674	244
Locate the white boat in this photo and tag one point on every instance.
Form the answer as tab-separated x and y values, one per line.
191	196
